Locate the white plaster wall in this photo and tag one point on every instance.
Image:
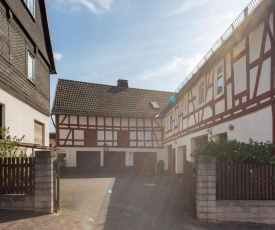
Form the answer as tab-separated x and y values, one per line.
257	125
240	75
255	41
20	117
129	161
239	47
264	83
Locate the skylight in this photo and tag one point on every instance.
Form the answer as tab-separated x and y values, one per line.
154	104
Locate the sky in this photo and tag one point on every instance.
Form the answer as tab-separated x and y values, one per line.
154	44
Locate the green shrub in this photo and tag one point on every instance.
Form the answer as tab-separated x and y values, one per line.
233	151
9	146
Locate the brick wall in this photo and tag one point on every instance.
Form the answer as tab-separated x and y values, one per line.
208	208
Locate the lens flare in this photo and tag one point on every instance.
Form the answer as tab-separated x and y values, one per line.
110	190
172	99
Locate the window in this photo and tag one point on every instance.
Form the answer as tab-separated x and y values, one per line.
176	117
31	66
219	80
31	6
154	104
38	133
221	137
185	104
201	93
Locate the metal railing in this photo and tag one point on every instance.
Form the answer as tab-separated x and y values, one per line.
238	21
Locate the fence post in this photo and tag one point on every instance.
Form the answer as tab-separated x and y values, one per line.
206	188
44	181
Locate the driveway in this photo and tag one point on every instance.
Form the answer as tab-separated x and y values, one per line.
117	203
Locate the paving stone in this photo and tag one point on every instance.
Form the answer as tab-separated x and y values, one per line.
136	203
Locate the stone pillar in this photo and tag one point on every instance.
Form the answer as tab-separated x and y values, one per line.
206	188
44	181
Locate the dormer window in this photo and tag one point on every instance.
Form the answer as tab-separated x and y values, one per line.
31	6
154	104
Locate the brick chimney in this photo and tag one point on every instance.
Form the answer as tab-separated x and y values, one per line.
122	83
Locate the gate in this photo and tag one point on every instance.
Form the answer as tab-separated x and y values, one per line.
189	186
56	186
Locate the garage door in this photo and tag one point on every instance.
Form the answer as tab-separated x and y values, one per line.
114	162
144	162
88	162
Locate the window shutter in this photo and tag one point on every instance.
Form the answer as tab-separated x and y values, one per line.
38	133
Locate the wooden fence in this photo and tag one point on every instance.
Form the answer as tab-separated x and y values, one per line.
189	186
245	182
17	175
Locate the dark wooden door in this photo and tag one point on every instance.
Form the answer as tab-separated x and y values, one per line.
114	162
88	162
188	186
171	160
144	162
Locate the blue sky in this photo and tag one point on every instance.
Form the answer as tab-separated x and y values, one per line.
154	44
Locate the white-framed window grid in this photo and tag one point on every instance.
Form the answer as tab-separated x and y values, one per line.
176	116
219	80
31	6
31	67
185	104
201	93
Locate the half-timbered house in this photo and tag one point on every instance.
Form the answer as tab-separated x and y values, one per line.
108	129
26	62
231	93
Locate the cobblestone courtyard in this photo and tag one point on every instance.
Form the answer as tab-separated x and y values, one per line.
126	202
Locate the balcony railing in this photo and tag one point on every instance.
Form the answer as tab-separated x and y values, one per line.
238	21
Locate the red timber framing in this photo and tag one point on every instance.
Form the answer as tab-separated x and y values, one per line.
244	88
88	131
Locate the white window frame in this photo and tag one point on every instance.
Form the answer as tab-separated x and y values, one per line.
176	116
199	87
31	6
185	105
43	132
31	67
217	77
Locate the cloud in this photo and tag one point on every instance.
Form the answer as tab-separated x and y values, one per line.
57	56
178	66
187	5
106	4
95	6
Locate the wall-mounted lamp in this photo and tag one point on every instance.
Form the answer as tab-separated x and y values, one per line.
209	130
231	127
105	147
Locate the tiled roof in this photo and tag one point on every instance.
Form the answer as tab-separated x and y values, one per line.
74	97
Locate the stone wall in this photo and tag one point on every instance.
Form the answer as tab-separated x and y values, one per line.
42	200
17	202
208	208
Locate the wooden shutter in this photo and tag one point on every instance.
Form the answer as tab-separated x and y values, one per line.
38	133
90	138
123	137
